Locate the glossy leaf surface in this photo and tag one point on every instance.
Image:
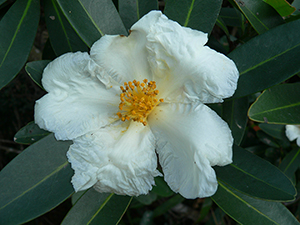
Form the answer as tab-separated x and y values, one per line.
35	181
247	210
263	63
279	104
197	14
30	133
132	10
97	208
35	70
282	7
62	36
261	15
92	19
256	177
20	26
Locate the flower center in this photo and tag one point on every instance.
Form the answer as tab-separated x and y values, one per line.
138	100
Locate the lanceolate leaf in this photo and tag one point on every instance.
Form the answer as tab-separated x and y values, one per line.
197	14
291	163
35	181
222	25
92	19
268	59
261	15
35	70
232	17
2	1
279	104
132	10
282	7
30	133
62	36
18	28
97	208
175	200
247	210
161	188
275	130
256	177
235	114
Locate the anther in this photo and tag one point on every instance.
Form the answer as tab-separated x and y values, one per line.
138	99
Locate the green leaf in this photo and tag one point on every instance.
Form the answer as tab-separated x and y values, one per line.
35	181
232	17
282	7
197	14
235	114
256	177
18	28
62	36
291	163
176	199
30	133
275	130
267	139
296	5
267	59
222	25
205	208
98	208
132	10
279	104
92	19
76	196
35	70
48	52
247	210
147	199
161	188
2	1
260	15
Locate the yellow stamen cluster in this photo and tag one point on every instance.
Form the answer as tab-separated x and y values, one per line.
138	100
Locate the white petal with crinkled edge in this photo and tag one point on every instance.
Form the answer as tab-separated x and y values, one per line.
123	58
177	56
293	132
116	159
77	102
191	138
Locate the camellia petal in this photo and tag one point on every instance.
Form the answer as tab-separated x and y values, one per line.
191	138
293	133
188	68
77	101
116	158
155	80
123	58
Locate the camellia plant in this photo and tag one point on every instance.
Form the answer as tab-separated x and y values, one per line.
155	112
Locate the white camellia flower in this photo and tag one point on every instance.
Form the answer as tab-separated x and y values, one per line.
293	133
137	94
